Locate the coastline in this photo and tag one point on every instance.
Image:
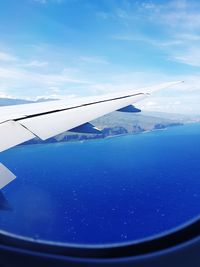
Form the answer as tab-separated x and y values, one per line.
100	138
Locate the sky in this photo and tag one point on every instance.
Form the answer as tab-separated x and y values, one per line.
68	48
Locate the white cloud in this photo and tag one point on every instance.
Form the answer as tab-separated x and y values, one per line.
183	48
4	95
55	96
94	60
104	15
190	57
21	82
36	63
7	57
183	105
49	1
181	22
54	89
178	19
25	76
41	1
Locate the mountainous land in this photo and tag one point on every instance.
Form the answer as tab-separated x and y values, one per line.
118	123
13	101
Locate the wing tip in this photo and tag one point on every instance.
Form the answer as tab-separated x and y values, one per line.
162	86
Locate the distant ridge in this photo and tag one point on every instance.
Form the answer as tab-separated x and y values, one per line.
13	101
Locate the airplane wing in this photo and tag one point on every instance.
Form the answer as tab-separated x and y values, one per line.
44	120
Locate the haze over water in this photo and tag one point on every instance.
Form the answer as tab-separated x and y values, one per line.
104	191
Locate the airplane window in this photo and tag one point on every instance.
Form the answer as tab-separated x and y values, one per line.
95	122
103	191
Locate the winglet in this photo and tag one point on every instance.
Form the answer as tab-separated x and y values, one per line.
6	176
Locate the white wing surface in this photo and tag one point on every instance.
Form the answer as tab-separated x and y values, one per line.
44	120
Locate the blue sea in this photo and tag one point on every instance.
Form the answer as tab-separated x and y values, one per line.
104	191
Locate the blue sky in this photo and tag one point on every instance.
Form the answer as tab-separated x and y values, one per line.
59	48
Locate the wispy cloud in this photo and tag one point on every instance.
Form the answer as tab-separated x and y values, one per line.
94	59
182	48
104	15
24	76
178	22
21	78
4	95
48	96
41	1
36	63
7	57
49	1
181	22
181	105
189	56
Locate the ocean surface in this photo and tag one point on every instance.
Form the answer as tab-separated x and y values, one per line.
103	191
